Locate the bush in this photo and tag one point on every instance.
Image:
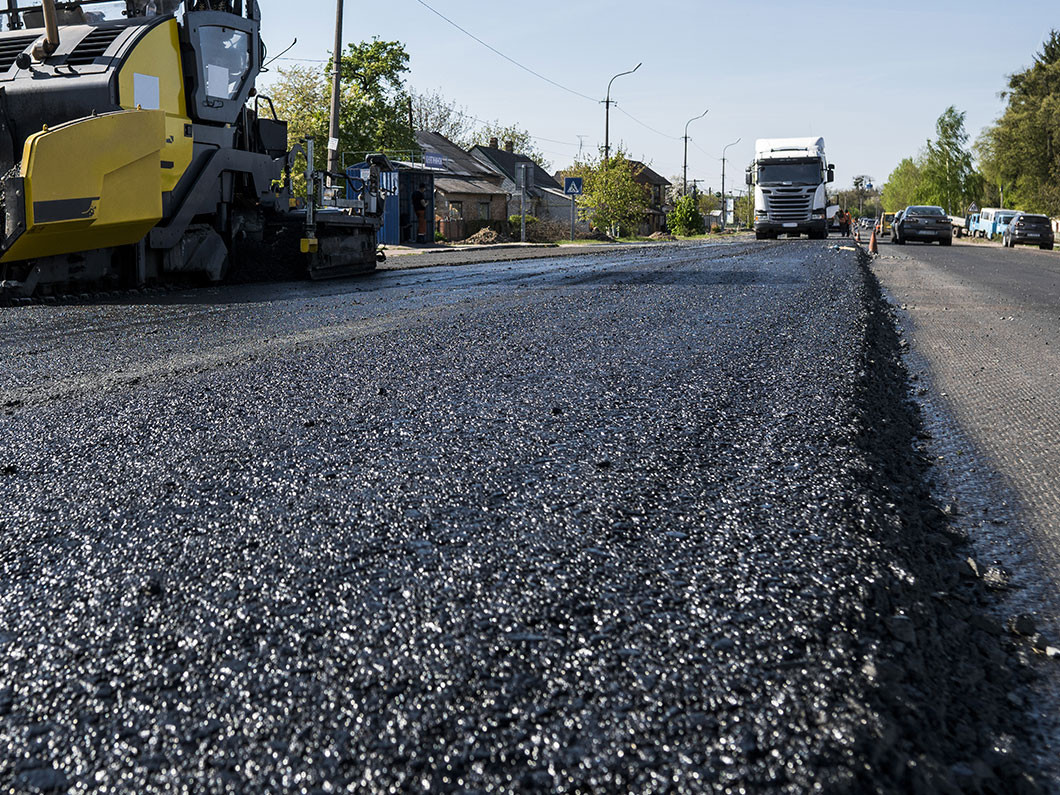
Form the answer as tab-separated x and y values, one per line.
686	219
547	231
515	221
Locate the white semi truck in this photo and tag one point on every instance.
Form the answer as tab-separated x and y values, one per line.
789	177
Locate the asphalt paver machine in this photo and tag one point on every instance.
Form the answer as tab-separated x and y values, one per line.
134	148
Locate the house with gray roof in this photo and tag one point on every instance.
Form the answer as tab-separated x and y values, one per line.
658	197
468	194
545	200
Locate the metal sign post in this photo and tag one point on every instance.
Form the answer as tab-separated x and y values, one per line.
572	186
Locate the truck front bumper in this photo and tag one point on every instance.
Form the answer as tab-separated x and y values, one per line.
774	228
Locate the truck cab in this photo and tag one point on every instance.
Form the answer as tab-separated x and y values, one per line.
789	176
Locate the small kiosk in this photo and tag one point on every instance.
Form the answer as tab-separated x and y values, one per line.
399	217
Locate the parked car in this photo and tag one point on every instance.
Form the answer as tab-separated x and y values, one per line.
883	224
1035	230
922	222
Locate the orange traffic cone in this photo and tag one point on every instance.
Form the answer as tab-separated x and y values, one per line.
873	248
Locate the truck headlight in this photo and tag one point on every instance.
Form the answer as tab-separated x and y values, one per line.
817	213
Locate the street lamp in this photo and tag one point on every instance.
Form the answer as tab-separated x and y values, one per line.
684	177
723	151
607	112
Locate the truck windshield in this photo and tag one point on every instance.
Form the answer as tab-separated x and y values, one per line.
806	173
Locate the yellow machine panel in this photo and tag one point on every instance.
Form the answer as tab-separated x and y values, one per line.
84	192
152	78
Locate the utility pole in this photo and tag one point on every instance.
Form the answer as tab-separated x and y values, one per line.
723	205
607	112
684	175
333	130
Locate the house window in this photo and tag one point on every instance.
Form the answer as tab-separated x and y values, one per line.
483	211
456	210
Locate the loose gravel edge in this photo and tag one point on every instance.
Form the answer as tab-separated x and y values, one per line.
947	681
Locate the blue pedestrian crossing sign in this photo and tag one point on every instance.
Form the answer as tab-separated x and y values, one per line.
572	186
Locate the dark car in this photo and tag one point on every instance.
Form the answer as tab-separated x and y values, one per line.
922	222
1035	230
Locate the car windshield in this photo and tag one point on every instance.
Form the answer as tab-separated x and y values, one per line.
1034	219
925	211
806	172
1004	219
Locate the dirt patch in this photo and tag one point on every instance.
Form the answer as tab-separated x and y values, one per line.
487	236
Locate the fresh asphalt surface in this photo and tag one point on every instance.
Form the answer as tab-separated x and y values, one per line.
985	318
651	521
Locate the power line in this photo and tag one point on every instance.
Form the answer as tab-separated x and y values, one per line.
645	126
502	55
704	151
485	123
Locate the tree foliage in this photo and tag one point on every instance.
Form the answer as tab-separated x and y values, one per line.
611	196
523	142
686	219
1020	153
902	185
943	173
434	112
373	113
947	176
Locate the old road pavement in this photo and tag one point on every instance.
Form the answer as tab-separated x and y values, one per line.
651	521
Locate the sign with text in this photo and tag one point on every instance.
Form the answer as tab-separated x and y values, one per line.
433	160
573	186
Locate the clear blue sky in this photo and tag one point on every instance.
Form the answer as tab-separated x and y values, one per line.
869	77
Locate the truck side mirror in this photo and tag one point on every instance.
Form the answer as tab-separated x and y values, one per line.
831	173
748	177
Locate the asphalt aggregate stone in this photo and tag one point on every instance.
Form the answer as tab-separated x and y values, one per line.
650	523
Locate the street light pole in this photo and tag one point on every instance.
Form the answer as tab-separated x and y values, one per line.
684	176
336	75
723	207
607	112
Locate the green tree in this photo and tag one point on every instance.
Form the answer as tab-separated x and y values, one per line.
433	112
611	196
686	219
708	201
1020	153
373	111
947	175
902	186
522	141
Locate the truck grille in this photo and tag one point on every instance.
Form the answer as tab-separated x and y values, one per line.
788	204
